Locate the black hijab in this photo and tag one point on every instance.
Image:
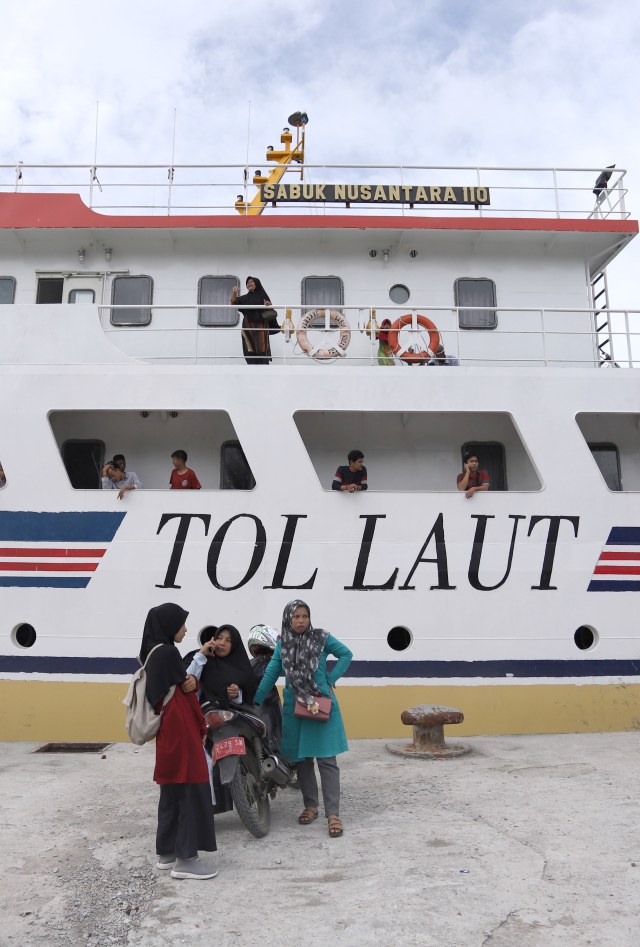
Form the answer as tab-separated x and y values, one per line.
255	298
165	666
219	673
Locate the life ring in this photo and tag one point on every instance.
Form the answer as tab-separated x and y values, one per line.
408	356
316	319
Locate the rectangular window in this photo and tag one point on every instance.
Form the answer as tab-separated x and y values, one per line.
215	291
490	458
82	296
322	291
135	291
608	460
83	461
476	292
235	472
7	289
49	290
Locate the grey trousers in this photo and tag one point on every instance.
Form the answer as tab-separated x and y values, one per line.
329	779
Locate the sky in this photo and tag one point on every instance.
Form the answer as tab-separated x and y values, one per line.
433	82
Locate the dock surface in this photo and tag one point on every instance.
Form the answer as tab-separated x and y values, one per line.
529	840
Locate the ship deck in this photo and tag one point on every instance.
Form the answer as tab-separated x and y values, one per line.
528	840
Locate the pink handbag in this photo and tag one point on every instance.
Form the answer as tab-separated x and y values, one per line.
322	714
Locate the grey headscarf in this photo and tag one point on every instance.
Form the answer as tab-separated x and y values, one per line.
301	654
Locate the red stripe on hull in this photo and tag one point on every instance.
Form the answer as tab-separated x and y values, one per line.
52	553
48	566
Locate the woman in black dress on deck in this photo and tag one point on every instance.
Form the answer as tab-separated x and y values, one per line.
255	336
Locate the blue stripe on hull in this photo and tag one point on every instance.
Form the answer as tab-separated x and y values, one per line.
624	536
428	670
605	585
26	526
53	582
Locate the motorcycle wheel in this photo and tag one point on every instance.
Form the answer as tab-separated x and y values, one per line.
253	807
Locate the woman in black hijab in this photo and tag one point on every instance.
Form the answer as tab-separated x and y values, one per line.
255	336
227	680
185	817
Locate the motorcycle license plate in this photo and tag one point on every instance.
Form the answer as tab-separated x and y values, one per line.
232	746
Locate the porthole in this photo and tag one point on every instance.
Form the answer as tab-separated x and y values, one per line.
586	638
399	294
399	638
24	636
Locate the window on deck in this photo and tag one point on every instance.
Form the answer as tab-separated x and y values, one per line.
235	472
322	292
608	460
216	290
7	289
135	291
476	292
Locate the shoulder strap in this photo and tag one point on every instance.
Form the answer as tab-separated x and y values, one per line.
155	648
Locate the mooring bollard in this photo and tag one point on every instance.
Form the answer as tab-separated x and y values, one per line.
428	721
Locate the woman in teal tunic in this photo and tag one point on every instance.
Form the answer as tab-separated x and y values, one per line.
301	655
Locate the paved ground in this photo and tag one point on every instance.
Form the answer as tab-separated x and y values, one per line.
531	841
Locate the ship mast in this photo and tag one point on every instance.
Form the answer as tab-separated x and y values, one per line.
284	157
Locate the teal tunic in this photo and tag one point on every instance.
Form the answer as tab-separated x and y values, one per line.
302	738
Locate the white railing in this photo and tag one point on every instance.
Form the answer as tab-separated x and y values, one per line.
161	189
550	337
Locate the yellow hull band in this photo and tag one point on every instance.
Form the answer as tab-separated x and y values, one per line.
67	712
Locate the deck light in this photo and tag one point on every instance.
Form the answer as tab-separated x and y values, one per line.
108	254
81	255
373	254
413	254
298	119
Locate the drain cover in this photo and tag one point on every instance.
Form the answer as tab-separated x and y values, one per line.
72	748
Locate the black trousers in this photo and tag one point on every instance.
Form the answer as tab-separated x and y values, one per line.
185	820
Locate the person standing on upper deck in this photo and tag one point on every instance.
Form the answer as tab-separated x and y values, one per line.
352	477
182	477
472	479
255	335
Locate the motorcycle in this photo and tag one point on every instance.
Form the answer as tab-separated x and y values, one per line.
246	763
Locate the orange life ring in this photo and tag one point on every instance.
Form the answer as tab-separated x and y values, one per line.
423	322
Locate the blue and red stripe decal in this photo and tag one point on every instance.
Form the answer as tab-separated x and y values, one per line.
618	566
53	550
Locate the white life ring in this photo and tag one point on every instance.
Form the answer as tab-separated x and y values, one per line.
316	319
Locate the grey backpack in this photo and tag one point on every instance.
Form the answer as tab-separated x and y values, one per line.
142	722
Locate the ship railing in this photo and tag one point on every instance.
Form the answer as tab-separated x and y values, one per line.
188	189
522	336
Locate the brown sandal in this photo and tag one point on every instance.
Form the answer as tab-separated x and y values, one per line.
335	826
307	816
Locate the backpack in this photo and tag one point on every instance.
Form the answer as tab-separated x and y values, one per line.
142	722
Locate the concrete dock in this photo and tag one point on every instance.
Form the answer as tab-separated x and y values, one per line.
529	840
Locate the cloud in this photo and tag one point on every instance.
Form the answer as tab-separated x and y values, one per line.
437	82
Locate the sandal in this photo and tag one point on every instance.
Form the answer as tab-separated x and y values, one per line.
307	816
335	826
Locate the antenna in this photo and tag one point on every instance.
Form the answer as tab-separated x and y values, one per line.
170	171
95	146
246	167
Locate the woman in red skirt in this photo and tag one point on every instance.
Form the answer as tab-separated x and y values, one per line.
185	813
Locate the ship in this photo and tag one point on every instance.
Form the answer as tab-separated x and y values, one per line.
419	315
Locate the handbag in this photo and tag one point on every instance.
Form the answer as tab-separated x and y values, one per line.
322	714
270	318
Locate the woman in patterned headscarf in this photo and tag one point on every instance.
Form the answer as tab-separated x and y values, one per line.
301	655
